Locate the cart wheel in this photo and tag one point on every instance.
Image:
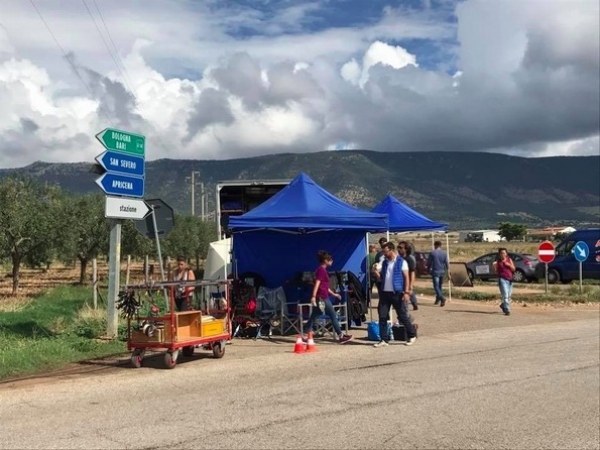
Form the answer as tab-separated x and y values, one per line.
137	358
171	359
188	351
219	349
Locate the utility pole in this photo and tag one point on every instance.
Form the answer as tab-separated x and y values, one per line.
192	179
114	269
203	199
193	194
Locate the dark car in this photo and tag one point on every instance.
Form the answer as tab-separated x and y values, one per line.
481	268
421	258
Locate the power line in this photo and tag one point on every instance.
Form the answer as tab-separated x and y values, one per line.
114	47
71	63
129	85
106	44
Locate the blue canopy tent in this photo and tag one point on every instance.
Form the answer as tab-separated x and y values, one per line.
282	236
403	219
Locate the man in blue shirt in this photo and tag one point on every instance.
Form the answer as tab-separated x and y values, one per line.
438	265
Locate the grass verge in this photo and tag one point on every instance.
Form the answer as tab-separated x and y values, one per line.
590	294
52	330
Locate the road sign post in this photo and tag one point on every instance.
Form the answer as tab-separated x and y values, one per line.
159	251
581	251
122	173
161	224
546	254
114	272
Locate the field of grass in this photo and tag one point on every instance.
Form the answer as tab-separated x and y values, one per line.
49	331
525	293
467	251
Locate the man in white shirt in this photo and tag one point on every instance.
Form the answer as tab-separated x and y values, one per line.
394	279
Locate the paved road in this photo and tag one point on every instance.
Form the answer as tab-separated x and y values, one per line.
514	384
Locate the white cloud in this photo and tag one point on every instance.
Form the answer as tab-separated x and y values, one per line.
198	84
377	53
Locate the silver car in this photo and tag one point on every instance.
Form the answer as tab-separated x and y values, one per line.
481	268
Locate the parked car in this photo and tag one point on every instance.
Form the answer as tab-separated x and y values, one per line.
422	268
525	264
565	267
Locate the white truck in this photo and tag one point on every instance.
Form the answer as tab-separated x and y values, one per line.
237	197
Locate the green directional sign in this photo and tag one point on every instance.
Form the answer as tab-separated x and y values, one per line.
122	141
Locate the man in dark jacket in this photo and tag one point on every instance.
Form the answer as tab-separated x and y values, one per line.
438	265
405	250
394	279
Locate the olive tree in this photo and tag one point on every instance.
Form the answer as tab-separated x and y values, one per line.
190	238
28	222
84	231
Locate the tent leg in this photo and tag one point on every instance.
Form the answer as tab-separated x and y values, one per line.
449	278
368	277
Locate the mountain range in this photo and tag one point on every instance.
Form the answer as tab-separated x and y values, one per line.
465	190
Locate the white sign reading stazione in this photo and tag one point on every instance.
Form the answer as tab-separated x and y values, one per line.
125	208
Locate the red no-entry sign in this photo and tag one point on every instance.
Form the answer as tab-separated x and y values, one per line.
546	252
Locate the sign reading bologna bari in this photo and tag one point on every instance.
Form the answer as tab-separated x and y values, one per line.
123	163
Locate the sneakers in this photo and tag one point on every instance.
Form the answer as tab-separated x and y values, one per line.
381	344
345	338
505	310
411	341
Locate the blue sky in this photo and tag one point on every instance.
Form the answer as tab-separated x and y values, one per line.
222	79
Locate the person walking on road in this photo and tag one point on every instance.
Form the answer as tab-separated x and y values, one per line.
320	298
405	250
437	264
394	280
505	268
376	267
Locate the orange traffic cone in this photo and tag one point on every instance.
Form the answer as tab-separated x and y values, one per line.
300	346
311	347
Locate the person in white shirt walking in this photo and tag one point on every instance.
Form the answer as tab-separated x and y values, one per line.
394	279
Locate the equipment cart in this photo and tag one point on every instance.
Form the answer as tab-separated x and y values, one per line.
208	327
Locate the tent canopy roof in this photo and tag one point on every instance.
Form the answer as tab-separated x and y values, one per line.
402	218
303	204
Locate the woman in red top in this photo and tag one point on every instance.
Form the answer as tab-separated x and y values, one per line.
504	267
320	298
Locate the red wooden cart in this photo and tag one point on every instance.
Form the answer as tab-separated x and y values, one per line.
208	328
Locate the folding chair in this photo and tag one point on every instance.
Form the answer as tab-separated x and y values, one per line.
294	313
269	303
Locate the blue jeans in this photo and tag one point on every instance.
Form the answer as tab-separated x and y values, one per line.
438	283
413	299
317	313
506	292
386	301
